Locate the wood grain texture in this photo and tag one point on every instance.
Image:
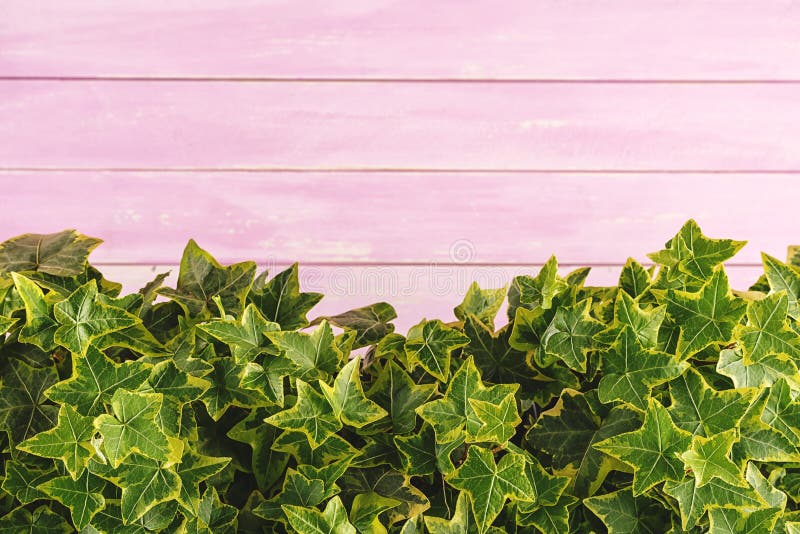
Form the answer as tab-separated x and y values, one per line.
445	218
604	39
513	126
415	292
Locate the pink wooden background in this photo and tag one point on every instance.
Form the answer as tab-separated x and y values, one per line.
400	148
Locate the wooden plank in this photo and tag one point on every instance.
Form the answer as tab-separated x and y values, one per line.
416	292
445	218
515	126
618	39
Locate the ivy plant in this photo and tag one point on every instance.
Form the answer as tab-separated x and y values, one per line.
666	403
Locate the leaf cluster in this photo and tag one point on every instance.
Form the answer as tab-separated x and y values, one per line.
666	403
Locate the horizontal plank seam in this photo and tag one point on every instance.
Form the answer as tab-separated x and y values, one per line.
388	170
268	79
398	264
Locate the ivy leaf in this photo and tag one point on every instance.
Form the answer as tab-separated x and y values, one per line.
145	483
766	335
759	441
534	292
418	452
94	380
40	521
22	480
706	317
452	413
569	430
83	497
399	396
634	279
201	278
177	389
281	301
497	360
316	354
460	522
40	327
698	408
650	451
333	520
731	521
630	371
23	407
709	458
489	484
366	509
499	420
390	483
782	411
193	469
695	254
347	398
245	336
627	313
783	277
760	374
68	441
623	513
132	427
83	319
482	303
213	515
430	344
569	336
371	323
60	254
312	415
228	388
694	500
548	519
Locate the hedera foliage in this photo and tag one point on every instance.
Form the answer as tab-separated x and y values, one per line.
667	403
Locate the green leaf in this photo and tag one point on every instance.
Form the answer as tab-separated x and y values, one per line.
399	396
568	431
24	410
698	408
40	326
333	520
83	497
782	411
694	254
193	469
623	513
60	254
451	414
498	420
366	509
418	452
177	389
706	317
630	371
430	344
40	521
627	313
245	336
459	523
69	441
94	380
569	336
694	500
783	277
280	299
489	484
652	450
347	398
534	292
766	335
312	415
83	319
482	303
731	521
132	428
22	480
145	483
709	458
497	360
760	374
370	323
213	515
201	278
634	279
316	354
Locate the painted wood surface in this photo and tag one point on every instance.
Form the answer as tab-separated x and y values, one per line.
514	126
415	291
604	39
401	218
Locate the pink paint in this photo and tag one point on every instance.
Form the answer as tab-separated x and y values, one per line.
400	126
626	39
400	217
